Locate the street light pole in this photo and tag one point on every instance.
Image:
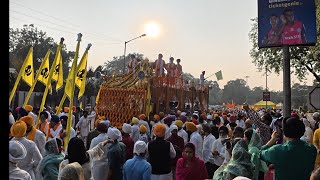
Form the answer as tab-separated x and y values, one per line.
266	85
125	48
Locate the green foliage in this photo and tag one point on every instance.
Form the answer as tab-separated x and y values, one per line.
235	90
303	60
116	64
20	41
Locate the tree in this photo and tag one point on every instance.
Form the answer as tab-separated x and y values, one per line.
255	95
116	64
215	93
303	59
20	41
236	91
299	95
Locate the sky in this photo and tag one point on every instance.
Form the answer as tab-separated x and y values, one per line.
206	35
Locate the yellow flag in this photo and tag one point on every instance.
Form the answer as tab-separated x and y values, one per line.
82	73
44	72
58	72
98	96
28	74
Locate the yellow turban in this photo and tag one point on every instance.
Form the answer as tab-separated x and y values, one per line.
190	126
135	120
143	129
28	120
159	130
179	123
156	117
66	109
215	115
102	118
18	129
28	108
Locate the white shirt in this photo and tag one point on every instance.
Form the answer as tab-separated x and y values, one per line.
197	140
182	133
240	123
67	114
308	135
11	119
168	133
84	126
218	146
17	173
135	133
207	147
92	117
55	133
72	133
40	140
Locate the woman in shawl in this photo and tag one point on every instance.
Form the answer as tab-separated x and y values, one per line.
72	171
190	167
255	143
49	165
239	164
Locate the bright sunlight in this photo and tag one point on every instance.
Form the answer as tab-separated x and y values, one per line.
152	29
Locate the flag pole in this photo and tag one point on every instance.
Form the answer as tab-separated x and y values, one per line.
72	84
19	76
49	79
37	76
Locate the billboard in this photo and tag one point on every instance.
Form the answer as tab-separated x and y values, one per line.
286	22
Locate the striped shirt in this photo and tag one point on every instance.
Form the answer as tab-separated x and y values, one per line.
264	129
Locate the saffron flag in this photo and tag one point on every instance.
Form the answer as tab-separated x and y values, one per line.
219	75
28	74
58	72
82	73
98	96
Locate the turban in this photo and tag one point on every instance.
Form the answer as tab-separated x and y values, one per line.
316	115
18	129
233	118
178	123
23	112
178	112
142	116
183	118
45	114
102	118
203	116
156	117
159	130
215	116
140	147
126	128
161	114
113	133
28	108
190	126
17	151
224	117
183	113
167	120
102	127
143	129
73	108
173	127
135	120
209	117
64	118
241	178
55	118
66	109
106	122
28	120
195	121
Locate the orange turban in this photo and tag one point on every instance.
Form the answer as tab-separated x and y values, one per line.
73	108
143	129
142	116
66	109
18	129
28	120
179	123
159	130
190	126
28	108
156	117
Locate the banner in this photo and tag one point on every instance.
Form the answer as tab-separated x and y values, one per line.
219	75
28	74
286	22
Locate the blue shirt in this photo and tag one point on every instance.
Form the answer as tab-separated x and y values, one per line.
136	168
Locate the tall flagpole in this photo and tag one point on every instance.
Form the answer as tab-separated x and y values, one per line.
49	79
19	76
37	76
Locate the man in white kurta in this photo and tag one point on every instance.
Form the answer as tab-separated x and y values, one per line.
181	132
219	148
33	157
16	153
207	147
100	167
34	134
29	109
92	118
66	113
63	134
83	126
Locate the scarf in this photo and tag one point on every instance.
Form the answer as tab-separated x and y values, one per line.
54	128
32	134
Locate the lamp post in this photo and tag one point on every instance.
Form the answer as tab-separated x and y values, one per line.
125	48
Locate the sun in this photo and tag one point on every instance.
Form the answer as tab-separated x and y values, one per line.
152	29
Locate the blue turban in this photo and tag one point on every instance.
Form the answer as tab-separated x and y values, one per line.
55	118
23	112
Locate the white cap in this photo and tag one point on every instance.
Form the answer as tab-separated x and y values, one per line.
113	133
172	127
139	147
126	128
17	151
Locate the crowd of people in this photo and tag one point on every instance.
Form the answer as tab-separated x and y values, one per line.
217	144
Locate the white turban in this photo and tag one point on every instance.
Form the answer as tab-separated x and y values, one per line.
172	127
140	147
209	116
183	113
17	151
113	133
126	128
316	115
